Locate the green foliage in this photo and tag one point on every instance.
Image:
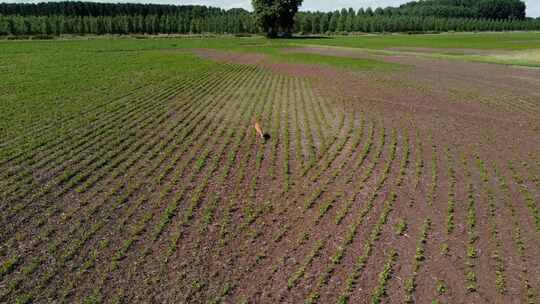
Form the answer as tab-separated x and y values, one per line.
108	18
441	289
273	16
445	249
401	227
490	9
8	265
23	299
73	86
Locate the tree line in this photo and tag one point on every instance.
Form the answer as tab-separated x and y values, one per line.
481	9
150	24
368	21
80	18
96	9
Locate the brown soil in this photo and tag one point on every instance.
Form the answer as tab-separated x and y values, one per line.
441	129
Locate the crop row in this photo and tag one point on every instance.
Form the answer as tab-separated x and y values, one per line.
230	161
258	229
116	160
450	225
527	194
199	163
202	185
361	261
384	277
496	255
165	191
24	175
472	251
99	124
336	172
419	257
517	233
253	213
103	138
348	239
119	187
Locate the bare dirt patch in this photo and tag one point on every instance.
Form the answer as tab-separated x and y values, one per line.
297	70
205	215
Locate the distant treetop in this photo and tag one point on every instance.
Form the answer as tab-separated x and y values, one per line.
95	9
264	9
487	9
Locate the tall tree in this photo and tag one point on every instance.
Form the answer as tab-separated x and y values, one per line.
273	16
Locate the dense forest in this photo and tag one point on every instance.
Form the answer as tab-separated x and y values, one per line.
80	18
485	9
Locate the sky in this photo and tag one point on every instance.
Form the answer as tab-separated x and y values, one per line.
533	6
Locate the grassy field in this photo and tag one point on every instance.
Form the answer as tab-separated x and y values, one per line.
485	41
38	77
398	169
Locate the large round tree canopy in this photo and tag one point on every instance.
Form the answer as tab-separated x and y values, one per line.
274	16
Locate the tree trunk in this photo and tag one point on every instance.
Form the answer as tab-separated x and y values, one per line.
271	33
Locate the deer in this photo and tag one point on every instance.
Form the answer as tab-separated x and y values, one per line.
259	131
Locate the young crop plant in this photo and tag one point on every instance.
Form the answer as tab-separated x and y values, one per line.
419	257
286	149
527	195
299	273
419	159
316	112
119	160
309	136
8	265
333	156
251	211
472	252
405	159
197	193
310	201
450	225
325	208
517	235
445	249
277	110
359	162
532	174
122	120
384	277
176	175
208	213
300	153
441	288
97	227
401	227
434	172
361	261
69	254
53	160
500	280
